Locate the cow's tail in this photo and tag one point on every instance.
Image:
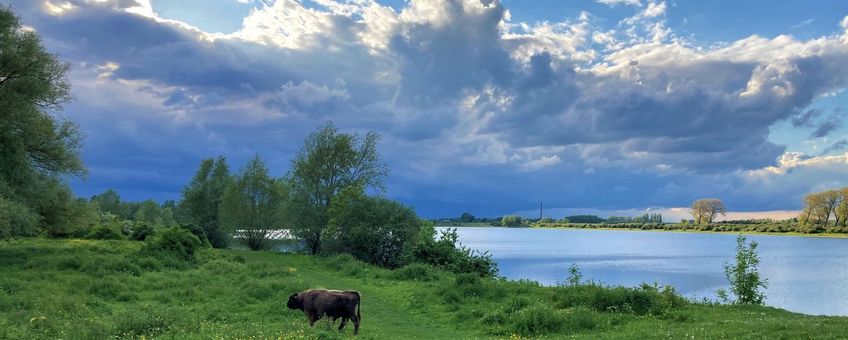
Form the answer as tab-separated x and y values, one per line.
358	305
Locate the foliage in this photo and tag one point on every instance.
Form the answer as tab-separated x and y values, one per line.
466	217
16	219
201	199
574	275
583	219
705	210
108	202
149	212
745	281
328	162
511	221
445	252
252	205
141	231
36	148
646	218
105	232
373	229
787	226
546	220
173	242
820	206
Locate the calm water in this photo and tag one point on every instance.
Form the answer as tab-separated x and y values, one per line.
806	275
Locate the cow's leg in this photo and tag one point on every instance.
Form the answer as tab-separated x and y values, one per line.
311	318
344	321
355	320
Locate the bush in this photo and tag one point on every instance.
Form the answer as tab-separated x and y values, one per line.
537	319
416	272
745	281
445	253
141	231
372	229
16	219
105	232
201	234
174	242
511	221
645	299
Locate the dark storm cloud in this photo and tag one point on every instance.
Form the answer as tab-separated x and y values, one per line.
455	94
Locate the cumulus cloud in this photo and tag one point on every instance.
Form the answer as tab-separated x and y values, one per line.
621	2
460	83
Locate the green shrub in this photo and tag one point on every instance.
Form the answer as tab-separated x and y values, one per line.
16	219
110	264
511	221
446	253
105	232
416	272
537	319
645	299
223	267
372	229
174	242
203	237
469	284
141	231
745	280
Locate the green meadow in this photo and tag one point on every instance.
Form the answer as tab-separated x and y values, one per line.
73	289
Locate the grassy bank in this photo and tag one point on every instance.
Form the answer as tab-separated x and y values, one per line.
100	289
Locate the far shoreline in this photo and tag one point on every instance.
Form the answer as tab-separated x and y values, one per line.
795	234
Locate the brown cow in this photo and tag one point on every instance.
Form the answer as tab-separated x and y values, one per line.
317	303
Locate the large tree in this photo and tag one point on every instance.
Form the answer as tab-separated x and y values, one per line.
706	210
36	147
328	162
373	229
202	199
108	202
252	203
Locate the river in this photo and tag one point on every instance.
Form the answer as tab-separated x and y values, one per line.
806	275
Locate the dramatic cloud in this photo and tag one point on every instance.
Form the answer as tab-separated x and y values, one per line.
456	88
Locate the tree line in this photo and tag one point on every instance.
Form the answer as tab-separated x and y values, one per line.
821	208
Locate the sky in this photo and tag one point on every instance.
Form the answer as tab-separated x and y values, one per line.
485	106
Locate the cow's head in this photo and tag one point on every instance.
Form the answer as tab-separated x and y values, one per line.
295	302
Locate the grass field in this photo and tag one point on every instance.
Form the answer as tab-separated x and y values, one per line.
83	289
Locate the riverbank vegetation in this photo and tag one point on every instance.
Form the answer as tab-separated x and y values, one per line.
745	226
74	288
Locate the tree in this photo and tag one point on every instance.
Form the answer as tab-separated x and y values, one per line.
811	204
511	221
251	206
328	162
705	210
829	201
201	199
149	212
842	209
373	229
36	148
745	281
466	217
108	202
